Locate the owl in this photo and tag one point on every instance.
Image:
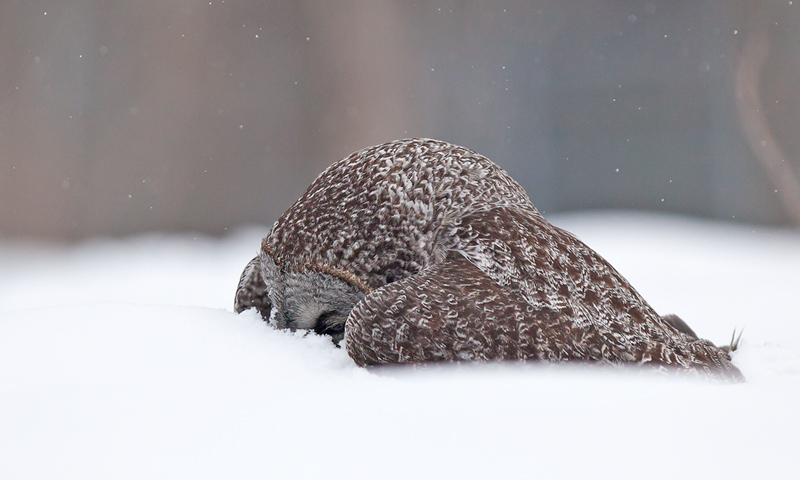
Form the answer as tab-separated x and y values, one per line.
418	251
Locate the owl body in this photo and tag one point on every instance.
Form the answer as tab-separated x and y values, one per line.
418	250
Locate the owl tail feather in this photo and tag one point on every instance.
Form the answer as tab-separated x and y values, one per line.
734	341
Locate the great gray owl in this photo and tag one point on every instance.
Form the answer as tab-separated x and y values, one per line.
418	250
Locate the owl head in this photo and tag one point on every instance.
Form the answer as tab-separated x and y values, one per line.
290	296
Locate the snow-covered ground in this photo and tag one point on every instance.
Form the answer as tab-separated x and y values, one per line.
122	359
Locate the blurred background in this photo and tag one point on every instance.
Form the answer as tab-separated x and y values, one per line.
120	116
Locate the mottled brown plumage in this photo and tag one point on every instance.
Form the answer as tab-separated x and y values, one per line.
426	251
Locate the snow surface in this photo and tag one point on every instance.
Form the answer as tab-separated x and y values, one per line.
122	359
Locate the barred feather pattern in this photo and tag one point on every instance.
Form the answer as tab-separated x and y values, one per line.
455	263
252	290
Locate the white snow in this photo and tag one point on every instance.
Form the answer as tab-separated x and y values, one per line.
122	359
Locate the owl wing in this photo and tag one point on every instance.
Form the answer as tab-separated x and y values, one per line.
516	287
449	311
563	279
455	311
252	291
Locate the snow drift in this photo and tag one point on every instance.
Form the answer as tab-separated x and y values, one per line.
122	359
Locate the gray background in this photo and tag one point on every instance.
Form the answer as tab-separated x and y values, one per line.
123	116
